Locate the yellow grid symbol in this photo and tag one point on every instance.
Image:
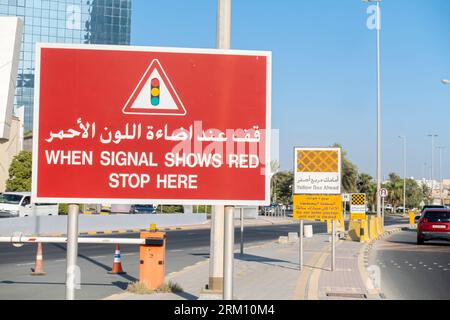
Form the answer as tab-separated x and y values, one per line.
358	199
317	161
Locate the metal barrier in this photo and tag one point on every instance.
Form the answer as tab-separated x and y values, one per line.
274	212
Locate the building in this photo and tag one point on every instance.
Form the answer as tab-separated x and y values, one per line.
63	21
11	147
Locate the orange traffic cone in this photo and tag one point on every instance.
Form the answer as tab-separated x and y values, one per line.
39	267
117	266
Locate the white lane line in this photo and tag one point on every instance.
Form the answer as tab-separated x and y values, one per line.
177	250
128	254
25	264
99	257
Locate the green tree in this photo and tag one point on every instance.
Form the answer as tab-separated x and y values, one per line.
365	184
282	183
349	172
414	194
20	173
395	188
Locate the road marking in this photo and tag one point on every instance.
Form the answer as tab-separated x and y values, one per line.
25	264
98	257
129	254
175	250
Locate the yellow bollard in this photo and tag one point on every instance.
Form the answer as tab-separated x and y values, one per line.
411	218
364	232
380	223
153	227
354	228
341	224
373	222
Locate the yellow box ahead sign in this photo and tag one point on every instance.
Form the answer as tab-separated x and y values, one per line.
358	206
317	207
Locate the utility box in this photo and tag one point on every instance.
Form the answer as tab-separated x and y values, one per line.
152	259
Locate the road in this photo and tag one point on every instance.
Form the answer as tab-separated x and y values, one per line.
184	248
410	271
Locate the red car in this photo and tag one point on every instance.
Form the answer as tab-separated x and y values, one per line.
434	224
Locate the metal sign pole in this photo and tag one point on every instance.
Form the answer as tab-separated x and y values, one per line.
228	260
301	246
72	251
333	244
242	230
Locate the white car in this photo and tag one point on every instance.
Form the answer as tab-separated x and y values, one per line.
18	204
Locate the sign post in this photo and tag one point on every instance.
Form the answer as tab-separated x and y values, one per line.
317	190
72	272
152	125
242	230
383	193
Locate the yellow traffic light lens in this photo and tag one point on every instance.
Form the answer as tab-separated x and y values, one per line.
155	92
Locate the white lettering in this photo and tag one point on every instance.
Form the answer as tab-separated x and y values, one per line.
73	158
125	180
176	181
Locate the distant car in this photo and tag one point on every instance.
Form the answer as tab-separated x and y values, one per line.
400	209
434	224
388	207
143	209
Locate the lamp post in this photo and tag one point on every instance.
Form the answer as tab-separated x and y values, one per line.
432	136
404	173
441	179
378	27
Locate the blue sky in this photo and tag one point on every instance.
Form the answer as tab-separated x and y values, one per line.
324	80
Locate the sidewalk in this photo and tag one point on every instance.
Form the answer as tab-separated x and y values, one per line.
270	272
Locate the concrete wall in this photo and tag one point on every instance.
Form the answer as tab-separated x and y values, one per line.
10	41
10	148
58	224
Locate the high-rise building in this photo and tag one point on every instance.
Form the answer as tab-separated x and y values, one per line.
63	21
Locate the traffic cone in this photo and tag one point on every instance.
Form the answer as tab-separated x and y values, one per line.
39	267
117	266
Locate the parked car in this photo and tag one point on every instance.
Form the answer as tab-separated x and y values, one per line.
434	224
18	204
388	208
400	209
143	209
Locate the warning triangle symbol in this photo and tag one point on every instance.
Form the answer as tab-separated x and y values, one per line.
154	95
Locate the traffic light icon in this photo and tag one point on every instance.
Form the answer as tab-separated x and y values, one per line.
155	92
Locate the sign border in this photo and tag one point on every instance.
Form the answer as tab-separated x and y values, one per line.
319	149
267	172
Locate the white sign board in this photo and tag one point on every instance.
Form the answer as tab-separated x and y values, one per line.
346	197
317	171
384	193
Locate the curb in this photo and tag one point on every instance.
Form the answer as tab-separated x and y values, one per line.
363	258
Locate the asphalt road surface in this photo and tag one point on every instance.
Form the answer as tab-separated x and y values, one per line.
410	271
184	248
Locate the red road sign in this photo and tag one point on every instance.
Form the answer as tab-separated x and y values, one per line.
151	125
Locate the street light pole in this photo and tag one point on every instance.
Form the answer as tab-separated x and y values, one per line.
441	179
432	160
378	27
404	173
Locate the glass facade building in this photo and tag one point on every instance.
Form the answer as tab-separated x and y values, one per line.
63	21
